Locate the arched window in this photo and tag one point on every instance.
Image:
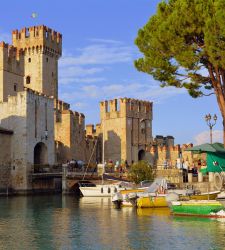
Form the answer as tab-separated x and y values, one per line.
29	59
28	80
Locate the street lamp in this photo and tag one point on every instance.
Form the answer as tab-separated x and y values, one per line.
210	123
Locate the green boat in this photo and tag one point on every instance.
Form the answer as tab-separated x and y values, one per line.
196	207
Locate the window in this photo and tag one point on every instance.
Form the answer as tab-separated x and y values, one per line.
28	80
15	87
29	59
47	59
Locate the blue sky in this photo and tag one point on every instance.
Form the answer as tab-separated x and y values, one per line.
97	61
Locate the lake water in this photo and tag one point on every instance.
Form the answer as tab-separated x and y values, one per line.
64	222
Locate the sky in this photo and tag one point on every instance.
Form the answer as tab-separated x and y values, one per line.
97	62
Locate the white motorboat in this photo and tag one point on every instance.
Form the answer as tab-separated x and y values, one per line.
102	190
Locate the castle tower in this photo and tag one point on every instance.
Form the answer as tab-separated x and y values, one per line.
11	71
42	48
127	128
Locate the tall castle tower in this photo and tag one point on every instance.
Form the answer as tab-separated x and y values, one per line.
42	48
126	125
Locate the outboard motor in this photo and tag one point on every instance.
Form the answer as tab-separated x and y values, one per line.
132	197
117	200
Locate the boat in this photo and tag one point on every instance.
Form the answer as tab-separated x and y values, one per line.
201	196
101	190
163	200
152	200
208	208
221	198
153	196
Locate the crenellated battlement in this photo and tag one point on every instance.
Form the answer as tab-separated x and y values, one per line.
38	38
126	107
90	131
12	59
61	105
34	92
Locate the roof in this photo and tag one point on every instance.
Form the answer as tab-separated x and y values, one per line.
207	147
5	131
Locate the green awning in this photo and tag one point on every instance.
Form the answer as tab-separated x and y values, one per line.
207	147
215	156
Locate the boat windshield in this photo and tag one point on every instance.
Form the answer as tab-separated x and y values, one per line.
87	184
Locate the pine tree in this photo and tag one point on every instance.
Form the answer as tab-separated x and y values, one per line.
184	46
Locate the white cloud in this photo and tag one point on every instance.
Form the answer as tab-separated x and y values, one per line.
78	74
134	90
98	54
204	137
75	67
109	41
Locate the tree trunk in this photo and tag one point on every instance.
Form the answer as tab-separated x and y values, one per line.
223	133
218	84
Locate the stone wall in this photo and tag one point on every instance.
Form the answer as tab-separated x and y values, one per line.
5	162
30	115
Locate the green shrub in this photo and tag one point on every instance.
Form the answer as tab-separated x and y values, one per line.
141	171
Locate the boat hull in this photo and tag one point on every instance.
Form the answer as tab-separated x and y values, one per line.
100	191
203	196
160	201
204	208
152	201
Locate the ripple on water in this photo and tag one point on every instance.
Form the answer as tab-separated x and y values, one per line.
55	222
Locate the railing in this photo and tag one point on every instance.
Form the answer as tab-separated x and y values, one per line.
41	168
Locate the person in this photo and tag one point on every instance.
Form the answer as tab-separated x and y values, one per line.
199	163
116	167
165	164
178	163
126	165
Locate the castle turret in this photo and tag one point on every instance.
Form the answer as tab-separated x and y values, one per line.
42	48
127	125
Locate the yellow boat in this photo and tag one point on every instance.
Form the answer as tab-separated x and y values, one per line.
164	211
137	190
202	196
152	201
160	200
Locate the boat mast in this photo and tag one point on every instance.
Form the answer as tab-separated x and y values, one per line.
103	148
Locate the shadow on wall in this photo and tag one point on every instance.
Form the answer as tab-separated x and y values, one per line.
63	153
113	147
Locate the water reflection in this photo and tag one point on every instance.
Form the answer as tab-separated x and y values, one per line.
55	222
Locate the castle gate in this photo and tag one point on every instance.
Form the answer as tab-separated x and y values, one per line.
40	154
141	155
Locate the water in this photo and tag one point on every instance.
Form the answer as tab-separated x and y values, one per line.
55	222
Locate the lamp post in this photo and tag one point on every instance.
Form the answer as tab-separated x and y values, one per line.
211	121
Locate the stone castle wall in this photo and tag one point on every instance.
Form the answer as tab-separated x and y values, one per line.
18	114
171	156
5	161
126	125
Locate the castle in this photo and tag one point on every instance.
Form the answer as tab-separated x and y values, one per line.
37	129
